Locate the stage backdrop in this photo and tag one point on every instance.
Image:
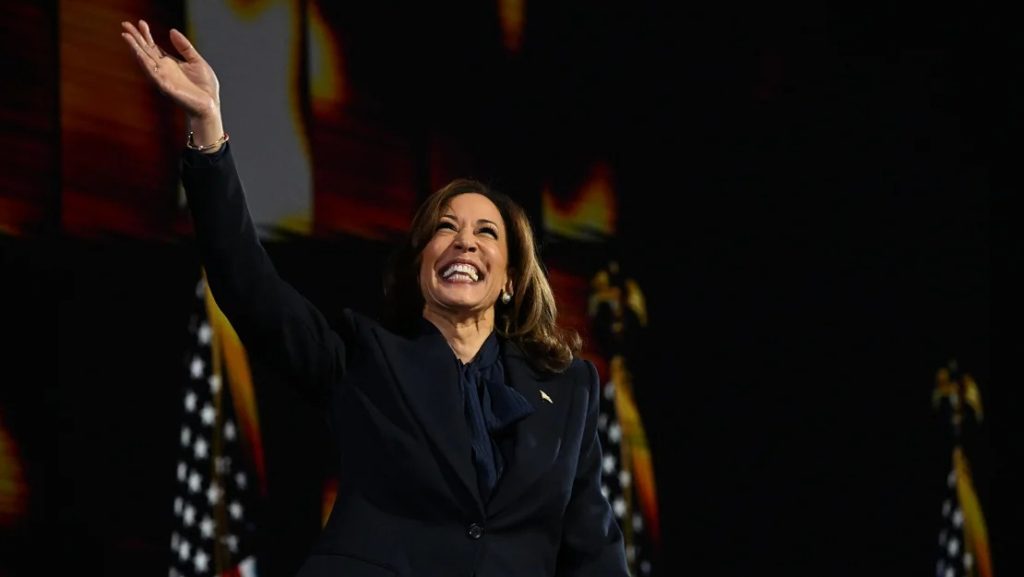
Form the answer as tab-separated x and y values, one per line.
775	232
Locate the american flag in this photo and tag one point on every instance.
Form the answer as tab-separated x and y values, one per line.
619	484
953	558
618	314
216	488
963	549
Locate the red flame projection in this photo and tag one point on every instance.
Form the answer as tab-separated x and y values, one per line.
587	213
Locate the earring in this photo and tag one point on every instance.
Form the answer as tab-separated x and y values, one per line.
505	297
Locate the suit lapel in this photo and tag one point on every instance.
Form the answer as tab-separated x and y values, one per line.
426	373
538	436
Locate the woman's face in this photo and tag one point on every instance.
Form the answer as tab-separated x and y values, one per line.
465	265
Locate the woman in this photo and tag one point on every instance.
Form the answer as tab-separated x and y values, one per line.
466	427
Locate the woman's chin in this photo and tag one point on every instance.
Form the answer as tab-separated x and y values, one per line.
461	303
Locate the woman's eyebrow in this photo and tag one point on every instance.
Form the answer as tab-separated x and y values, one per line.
478	221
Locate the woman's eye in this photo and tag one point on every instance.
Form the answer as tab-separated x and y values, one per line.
445	225
490	231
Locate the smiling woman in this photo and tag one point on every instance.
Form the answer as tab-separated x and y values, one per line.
470	262
466	425
464	267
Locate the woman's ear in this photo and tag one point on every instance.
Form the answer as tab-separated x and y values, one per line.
506	292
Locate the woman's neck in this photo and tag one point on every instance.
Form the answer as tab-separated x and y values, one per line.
465	334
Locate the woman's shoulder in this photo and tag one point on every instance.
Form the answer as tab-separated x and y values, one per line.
581	373
362	325
580	367
585	372
356	324
582	376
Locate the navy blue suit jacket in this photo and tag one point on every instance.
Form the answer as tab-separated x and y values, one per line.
408	503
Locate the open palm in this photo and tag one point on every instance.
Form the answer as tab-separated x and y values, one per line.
188	81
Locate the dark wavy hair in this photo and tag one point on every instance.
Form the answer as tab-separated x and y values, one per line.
529	320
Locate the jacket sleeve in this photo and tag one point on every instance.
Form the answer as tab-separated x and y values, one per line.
275	322
592	542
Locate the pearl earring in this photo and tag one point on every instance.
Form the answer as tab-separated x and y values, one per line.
505	297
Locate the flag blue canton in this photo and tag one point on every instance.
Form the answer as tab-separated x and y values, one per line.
953	560
617	485
214	490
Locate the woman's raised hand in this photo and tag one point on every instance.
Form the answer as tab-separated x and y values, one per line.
189	81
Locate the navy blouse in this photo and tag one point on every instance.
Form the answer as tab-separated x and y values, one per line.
491	408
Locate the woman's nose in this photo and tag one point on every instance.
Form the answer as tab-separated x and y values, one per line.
465	241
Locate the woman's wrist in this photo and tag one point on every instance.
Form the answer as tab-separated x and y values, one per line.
206	131
207	148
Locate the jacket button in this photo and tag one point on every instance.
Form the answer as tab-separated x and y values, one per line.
475	531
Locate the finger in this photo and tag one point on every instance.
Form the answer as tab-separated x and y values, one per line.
184	47
131	29
139	40
147	35
145	60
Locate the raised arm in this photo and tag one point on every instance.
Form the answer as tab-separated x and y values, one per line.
274	321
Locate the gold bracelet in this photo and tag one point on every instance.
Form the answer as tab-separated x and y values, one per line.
191	143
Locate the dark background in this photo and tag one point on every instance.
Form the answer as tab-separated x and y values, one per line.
813	201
